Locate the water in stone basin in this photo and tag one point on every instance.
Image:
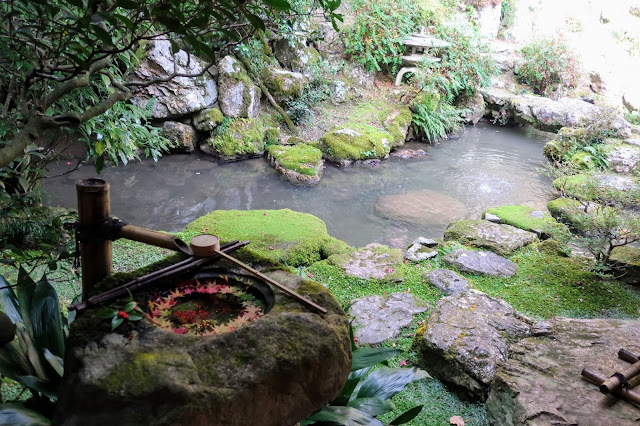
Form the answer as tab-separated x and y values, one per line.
391	203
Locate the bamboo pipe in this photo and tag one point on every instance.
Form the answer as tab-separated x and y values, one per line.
95	255
625	355
614	382
154	238
623	393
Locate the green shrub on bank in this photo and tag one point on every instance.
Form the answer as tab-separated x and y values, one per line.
547	66
375	39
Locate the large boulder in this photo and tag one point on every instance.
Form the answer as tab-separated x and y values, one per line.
283	85
275	371
624	158
294	54
423	207
540	383
239	97
183	137
244	138
299	163
362	143
589	185
464	339
380	318
180	95
473	109
481	263
547	114
499	238
277	236
329	41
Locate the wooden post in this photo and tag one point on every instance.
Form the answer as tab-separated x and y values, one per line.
93	206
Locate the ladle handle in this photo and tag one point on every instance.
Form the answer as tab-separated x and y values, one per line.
270	281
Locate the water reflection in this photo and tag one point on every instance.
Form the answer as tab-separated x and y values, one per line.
485	167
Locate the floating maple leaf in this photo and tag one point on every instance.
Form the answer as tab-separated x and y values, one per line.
188	290
180	330
165	304
220	329
213	288
225	289
253	311
176	294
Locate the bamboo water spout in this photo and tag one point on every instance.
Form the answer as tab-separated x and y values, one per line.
96	229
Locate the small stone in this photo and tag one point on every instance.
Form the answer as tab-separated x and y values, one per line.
447	281
492	218
481	263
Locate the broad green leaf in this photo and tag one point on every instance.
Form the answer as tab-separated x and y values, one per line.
17	415
9	301
255	21
55	361
385	382
347	416
46	319
407	416
368	357
25	288
115	322
129	307
347	390
30	351
372	406
36	384
135	317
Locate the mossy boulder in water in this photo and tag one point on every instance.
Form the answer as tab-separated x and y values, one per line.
397	123
275	371
244	138
276	236
298	163
590	186
357	143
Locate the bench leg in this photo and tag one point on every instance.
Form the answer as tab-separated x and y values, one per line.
402	72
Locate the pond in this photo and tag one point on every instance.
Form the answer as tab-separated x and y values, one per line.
391	203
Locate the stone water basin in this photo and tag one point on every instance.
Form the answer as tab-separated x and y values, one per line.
275	370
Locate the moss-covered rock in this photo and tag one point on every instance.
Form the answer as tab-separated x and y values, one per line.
499	238
627	260
567	137
292	360
207	119
244	138
283	85
272	135
526	218
298	163
238	96
277	236
356	143
397	123
293	54
594	186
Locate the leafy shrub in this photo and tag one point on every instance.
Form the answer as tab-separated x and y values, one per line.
479	4
375	39
548	65
507	17
435	118
35	357
465	65
632	117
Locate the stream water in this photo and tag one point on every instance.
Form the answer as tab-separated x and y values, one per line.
392	203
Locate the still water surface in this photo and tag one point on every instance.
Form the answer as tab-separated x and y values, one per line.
487	166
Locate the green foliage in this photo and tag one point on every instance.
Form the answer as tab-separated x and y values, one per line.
507	16
129	312
368	395
321	73
375	39
435	118
35	357
548	66
632	117
479	4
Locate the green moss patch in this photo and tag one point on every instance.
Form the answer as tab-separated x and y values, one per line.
523	217
243	138
277	236
355	143
302	158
